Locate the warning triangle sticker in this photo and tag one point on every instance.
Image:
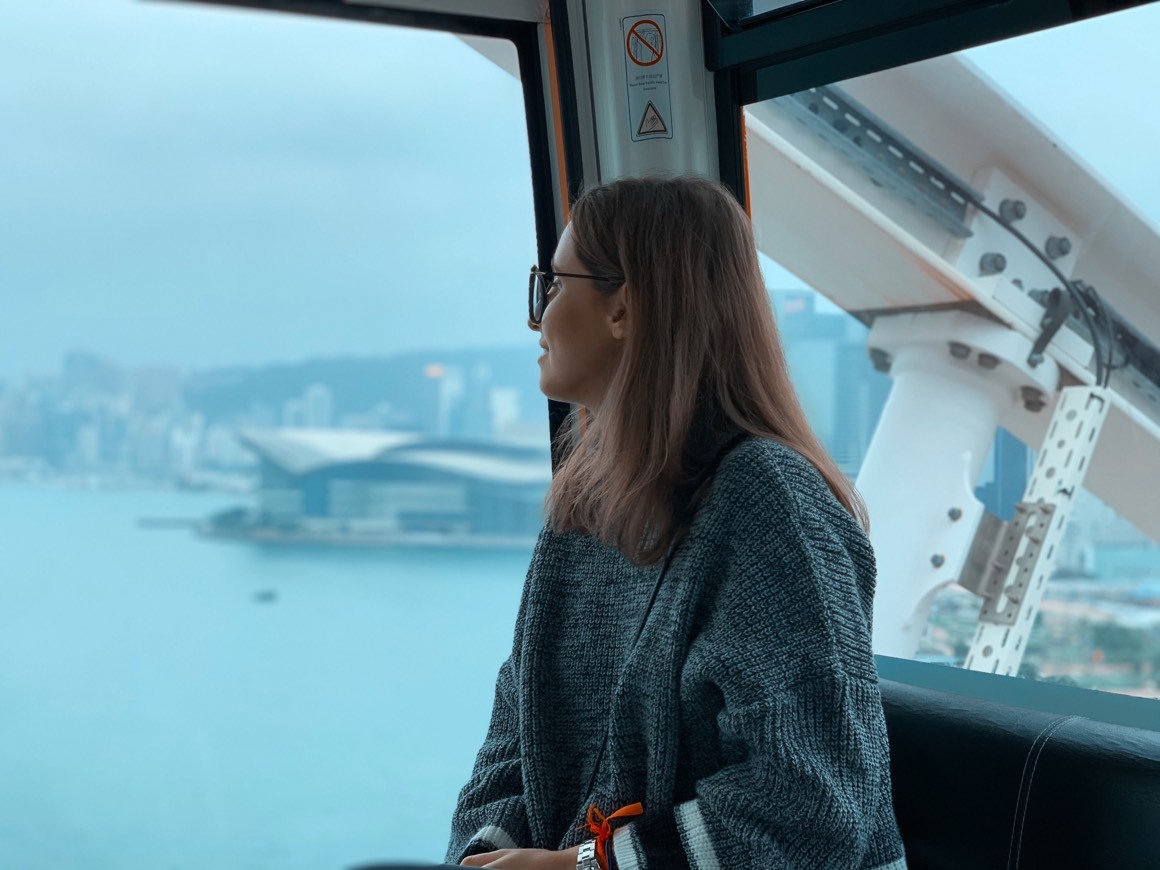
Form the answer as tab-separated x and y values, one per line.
652	122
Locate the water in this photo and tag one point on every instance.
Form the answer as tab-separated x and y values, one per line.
156	713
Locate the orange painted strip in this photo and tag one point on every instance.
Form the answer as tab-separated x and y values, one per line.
557	120
745	162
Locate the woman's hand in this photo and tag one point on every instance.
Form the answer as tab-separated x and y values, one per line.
525	859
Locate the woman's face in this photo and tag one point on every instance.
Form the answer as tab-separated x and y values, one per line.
582	333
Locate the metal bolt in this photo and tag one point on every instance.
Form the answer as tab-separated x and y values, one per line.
1012	210
988	361
992	264
955	514
937	560
880	359
960	350
1033	399
1058	246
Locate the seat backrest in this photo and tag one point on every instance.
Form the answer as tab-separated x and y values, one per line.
980	785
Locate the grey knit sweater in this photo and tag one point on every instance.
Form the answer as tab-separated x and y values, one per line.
747	719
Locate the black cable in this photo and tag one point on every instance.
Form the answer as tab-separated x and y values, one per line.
1110	326
1103	370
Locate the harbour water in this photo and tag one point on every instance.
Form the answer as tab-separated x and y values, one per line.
173	702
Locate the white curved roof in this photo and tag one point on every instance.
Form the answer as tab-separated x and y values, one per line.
301	451
479	465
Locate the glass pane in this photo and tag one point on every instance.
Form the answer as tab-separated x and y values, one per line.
869	198
272	450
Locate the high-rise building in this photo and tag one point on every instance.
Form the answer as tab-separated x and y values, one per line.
838	387
319	406
1005	475
474	420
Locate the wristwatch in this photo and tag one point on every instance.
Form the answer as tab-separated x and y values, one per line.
586	858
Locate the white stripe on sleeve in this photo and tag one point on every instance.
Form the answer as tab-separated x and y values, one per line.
495	836
695	837
624	847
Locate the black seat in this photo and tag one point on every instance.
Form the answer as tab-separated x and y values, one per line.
980	785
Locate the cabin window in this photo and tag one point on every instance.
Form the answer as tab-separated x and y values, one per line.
880	171
272	451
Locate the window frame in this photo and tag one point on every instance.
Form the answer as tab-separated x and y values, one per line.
789	50
785	51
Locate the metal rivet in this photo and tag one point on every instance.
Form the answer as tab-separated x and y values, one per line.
959	350
955	514
988	360
937	560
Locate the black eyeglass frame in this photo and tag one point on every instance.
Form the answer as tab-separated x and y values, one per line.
540	278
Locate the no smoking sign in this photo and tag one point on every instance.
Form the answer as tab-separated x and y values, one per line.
646	68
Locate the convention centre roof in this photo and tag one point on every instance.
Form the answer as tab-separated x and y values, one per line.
302	451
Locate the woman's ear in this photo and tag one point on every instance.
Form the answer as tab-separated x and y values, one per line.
618	323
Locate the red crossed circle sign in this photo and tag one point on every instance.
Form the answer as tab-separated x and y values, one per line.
646	43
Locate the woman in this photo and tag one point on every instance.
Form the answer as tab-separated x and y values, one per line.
692	665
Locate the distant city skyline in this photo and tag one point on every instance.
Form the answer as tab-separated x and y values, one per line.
202	187
96	415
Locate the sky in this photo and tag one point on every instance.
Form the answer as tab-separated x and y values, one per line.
187	185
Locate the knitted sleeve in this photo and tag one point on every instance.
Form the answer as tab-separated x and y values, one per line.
490	813
801	730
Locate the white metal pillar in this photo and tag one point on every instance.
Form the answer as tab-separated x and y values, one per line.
955	375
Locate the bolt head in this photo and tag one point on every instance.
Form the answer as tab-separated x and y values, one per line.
992	263
1012	209
1033	399
880	359
1058	246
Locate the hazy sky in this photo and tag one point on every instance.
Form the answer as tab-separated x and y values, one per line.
198	186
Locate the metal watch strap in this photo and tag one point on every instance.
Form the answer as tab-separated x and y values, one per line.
586	858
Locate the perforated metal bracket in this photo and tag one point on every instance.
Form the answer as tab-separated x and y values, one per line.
979	569
1023	556
1014	557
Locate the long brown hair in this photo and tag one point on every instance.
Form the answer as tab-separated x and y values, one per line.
703	359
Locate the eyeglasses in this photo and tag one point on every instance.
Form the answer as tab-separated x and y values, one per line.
540	284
